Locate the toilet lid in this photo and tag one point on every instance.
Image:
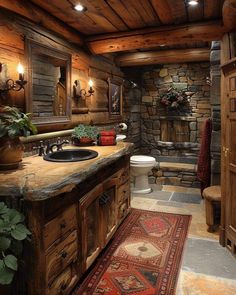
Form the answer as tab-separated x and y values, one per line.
140	159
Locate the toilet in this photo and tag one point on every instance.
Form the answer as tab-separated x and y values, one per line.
140	165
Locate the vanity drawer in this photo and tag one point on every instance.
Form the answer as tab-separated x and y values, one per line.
123	210
63	284
123	174
123	192
60	256
57	227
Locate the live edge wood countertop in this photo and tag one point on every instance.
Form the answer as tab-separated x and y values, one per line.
37	179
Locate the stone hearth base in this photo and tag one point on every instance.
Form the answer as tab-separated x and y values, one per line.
169	173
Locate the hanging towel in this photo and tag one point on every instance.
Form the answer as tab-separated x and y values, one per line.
204	157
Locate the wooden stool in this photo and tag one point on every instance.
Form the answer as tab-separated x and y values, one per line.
212	195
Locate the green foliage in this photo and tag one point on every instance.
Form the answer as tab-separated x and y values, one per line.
12	233
85	131
14	123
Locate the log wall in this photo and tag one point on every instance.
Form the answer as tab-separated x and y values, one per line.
14	30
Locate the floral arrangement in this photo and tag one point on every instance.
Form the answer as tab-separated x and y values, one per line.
174	98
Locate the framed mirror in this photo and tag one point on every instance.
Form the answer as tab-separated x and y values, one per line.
48	91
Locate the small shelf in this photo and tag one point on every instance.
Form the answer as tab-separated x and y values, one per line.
177	118
178	145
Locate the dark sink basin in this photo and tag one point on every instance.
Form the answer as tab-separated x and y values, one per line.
71	155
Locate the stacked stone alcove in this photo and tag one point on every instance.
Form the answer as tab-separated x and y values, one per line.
204	103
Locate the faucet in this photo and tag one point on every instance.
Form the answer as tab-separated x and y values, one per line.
40	148
47	148
58	145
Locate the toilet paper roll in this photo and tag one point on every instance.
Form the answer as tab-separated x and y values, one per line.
123	126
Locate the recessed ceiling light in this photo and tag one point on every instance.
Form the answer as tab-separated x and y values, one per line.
80	7
193	2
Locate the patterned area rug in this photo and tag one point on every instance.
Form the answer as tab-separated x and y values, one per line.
143	258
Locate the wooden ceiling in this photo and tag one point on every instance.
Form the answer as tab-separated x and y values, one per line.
110	26
110	16
134	27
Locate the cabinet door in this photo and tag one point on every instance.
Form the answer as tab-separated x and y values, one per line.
90	227
108	209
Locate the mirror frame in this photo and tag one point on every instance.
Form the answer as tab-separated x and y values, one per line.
39	48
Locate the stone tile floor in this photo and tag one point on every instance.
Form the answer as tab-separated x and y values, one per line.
207	268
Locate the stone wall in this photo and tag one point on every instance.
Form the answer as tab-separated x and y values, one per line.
168	135
156	80
132	106
132	116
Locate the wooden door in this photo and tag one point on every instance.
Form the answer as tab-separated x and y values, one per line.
228	183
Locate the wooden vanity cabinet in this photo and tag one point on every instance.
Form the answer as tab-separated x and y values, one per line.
70	231
53	252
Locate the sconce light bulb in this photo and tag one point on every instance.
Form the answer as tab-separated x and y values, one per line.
20	69
90	83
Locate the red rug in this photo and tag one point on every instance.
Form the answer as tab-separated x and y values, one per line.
143	258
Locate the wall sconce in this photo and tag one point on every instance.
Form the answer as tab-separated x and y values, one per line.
82	93
11	84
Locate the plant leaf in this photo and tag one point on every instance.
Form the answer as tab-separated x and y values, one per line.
3	208
15	123
4	226
14	216
6	274
3	130
20	232
5	243
11	262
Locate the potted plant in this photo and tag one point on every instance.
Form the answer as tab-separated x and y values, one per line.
13	124
84	134
12	234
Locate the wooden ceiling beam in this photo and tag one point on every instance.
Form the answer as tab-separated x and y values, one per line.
163	57
229	14
41	17
153	37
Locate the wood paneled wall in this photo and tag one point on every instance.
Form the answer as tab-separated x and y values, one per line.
14	30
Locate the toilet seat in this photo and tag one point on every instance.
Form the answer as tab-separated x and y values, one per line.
142	160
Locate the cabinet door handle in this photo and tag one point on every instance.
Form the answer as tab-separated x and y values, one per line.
104	199
225	150
64	254
62	224
63	286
